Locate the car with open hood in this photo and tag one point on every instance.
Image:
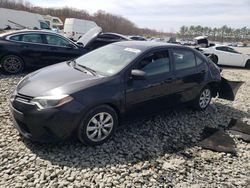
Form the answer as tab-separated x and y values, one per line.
87	97
35	48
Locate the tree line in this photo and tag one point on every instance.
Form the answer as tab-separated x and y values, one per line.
108	22
222	34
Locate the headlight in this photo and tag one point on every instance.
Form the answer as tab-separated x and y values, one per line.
51	101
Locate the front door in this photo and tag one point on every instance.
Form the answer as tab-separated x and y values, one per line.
153	92
59	49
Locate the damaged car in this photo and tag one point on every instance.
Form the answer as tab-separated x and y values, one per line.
87	97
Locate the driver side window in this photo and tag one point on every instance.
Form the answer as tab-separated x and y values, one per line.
155	64
57	41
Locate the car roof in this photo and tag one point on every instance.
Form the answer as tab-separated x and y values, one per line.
146	45
26	31
116	34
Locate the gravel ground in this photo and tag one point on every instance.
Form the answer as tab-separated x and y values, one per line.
159	151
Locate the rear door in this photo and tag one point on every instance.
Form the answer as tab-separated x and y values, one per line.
189	77
33	48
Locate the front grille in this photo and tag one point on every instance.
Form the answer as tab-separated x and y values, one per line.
22	103
24	97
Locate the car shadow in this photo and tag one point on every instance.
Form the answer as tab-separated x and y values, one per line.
172	132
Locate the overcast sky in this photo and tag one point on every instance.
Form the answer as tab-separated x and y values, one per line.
166	15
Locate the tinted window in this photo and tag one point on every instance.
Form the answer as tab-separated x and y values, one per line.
15	38
57	41
232	50
183	59
155	64
221	48
32	38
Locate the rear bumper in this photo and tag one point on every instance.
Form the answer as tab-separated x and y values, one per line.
228	89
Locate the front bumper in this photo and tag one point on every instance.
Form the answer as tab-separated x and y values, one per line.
47	125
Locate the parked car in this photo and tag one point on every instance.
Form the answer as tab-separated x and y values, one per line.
16	19
224	55
74	28
86	97
31	48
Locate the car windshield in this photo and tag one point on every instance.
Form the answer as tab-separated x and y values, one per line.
109	59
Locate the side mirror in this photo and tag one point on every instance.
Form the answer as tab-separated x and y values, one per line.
138	74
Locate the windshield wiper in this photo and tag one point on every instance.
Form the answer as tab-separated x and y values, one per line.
88	69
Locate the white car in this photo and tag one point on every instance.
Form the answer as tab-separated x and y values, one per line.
224	55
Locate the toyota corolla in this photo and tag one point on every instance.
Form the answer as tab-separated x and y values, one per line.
86	97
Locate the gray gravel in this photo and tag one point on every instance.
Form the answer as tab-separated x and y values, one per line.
156	152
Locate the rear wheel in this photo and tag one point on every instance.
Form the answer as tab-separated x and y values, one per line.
98	125
248	64
12	64
204	99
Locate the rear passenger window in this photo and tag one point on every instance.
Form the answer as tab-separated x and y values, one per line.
156	63
183	59
15	38
32	38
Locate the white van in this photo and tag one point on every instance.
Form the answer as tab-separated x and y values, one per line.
74	28
53	22
15	19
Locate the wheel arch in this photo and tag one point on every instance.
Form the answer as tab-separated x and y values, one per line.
214	86
12	53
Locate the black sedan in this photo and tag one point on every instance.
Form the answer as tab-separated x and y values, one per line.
87	97
33	48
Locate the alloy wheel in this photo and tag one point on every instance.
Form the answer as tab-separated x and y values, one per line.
205	98
12	64
100	126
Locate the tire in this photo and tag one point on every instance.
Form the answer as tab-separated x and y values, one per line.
203	100
248	64
12	64
214	58
98	125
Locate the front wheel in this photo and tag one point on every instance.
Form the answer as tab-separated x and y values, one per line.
98	125
204	99
12	64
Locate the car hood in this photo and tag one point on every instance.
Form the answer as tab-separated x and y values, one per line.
90	36
61	78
